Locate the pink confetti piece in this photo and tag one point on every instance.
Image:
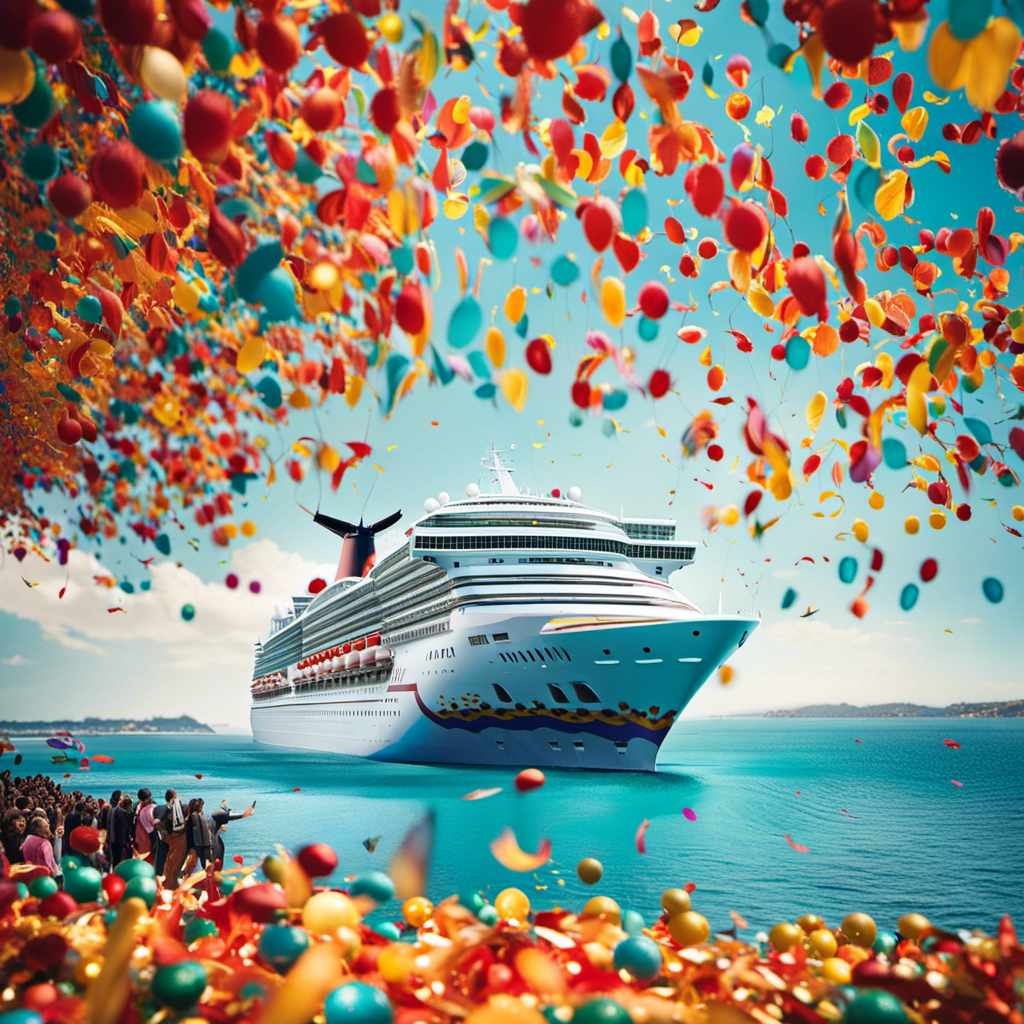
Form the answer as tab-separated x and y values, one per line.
641	832
796	846
689	814
955	783
481	794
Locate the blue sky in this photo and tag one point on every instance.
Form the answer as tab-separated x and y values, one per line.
75	658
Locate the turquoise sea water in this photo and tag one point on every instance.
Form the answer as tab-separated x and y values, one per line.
911	839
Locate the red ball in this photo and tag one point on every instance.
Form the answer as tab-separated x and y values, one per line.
113	888
409	310
708	189
551	27
278	43
44	951
89	429
599	226
778	353
55	36
84	839
317	860
69	431
1010	162
659	383
929	570
849	330
315	586
191	17
231	581
69	195
59	905
707	249
746	227
130	22
538	355
963	512
345	39
208	120
806	281
581	393
715	452
653	299
529	778
321	109
38	997
847	29
15	21
263	903
938	492
118	173
385	111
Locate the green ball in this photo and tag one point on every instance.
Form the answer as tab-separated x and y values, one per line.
389	930
473	901
38	107
188	612
141	888
129	869
40	888
39	162
179	986
602	1011
488	916
873	1006
281	945
12	305
198	928
85	885
374	884
218	50
885	942
227	887
154	128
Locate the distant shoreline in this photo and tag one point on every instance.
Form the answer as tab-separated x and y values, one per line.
158	725
987	709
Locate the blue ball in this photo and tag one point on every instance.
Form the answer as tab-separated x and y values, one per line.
502	237
281	945
357	1003
89	309
564	271
601	1011
473	901
20	1017
277	293
632	922
848	569
374	884
798	352
647	329
992	589
389	930
153	127
634	211
640	956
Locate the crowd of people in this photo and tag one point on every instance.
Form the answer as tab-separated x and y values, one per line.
37	820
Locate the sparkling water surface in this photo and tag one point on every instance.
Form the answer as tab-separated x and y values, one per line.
910	840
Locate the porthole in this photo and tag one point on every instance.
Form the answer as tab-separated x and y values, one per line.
696	632
647	650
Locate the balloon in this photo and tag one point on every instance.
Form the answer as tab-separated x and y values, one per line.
141	888
55	36
564	271
280	945
847	569
512	904
529	779
675	901
603	906
689	928
417	910
860	929
218	49
893	453
741	164
1009	162
806	280
788	598
911	925
345	39
708	190
357	1003
798	352
84	885
254	268
968	18
277	293
318	860
39	162
69	195
278	43
464	322
131	22
374	884
785	935
69	431
992	589
38	107
188	612
634	211
653	300
162	74
328	911
538	355
658	385
639	956
589	870
117	170
746	227
179	986
129	869
847	29
647	329
550	28
17	75
502	237
621	59
613	300
475	155
875	1006
409	311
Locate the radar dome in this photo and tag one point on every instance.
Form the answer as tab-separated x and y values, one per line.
574	494
431	505
444	497
472	491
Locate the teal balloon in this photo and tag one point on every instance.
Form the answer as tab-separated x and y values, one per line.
270	391
788	598
127	586
79	8
277	293
564	271
141	888
622	59
402	258
374	884
634	211
188	612
70	862
894	455
154	128
908	596
647	329
633	922
227	887
254	268
45	241
614	400
84	885
486	391
89	309
253	990
778	54
608	428
163	544
992	589
40	888
38	107
12	305
865	185
281	945
502	237
306	169
847	569
144	585
601	1011
640	956
389	930
357	1003
885	942
20	1017
218	49
198	928
758	11
575	419
39	162
979	428
523	327
874	1006
464	322
472	901
179	986
488	915
798	352
475	155
841	418
478	364
968	18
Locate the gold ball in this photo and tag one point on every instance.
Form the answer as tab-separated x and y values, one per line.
689	928
350	941
860	929
328	911
417	910
989	949
590	870
87	970
784	936
811	922
836	971
391	27
505	1009
912	524
603	906
675	901
512	904
911	925
823	943
395	962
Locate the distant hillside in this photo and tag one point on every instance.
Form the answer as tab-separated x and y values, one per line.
990	709
94	726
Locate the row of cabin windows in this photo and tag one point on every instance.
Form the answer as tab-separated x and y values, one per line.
583	693
442	652
552	655
455	543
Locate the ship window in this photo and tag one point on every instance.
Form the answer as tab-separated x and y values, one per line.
553	744
586	694
578	744
530	653
502	693
558	694
566	653
497	637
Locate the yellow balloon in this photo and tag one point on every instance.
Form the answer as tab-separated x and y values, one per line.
17	75
675	901
603	906
1018	513
328	911
836	971
512	904
514	385
248	528
810	922
417	910
823	943
613	301
689	928
391	27
860	929
911	925
876	501
162	74
784	936
730	515
395	962
590	870
494	345
515	304
911	524
937	519
860	530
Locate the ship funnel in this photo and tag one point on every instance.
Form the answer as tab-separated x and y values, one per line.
358	554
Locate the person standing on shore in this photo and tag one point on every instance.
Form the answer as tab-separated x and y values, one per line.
38	847
14	835
202	836
119	835
174	835
220	819
144	825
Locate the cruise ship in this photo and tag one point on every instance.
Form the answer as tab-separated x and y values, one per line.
504	628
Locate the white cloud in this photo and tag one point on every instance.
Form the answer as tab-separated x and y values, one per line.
785	574
226	622
971	622
16	659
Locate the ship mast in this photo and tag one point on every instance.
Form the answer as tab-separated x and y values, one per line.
494	463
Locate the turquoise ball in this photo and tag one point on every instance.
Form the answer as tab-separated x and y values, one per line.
873	1006
38	107
153	126
89	309
357	1003
129	869
198	928
647	329
179	986
488	915
475	155
602	1011
254	990
374	884
473	901
40	888
12	305
575	419
632	922
277	293
389	930
85	885
20	1017
141	888
281	945
39	162
227	887
640	956
218	49
885	942
502	237
69	862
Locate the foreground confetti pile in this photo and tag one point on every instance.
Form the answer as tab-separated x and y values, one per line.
115	948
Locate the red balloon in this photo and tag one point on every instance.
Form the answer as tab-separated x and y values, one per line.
581	394
113	888
207	124
15	22
963	512
316	585
69	195
118	172
902	91
38	997
740	165
847	29
84	840
385	110
278	43
659	383
538	355
798	128
44	951
318	860
746	227
929	570
708	189
715	452
938	492
69	431
59	905
321	109
409	310
529	778
551	27
1010	162
598	226
263	903
653	299
192	17
345	39
131	22
55	36
806	281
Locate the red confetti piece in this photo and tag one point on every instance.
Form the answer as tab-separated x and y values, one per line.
689	814
641	832
952	744
796	846
955	783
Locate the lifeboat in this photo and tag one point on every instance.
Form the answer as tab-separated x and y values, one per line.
366	657
360	644
336	664
373	640
352	660
382	654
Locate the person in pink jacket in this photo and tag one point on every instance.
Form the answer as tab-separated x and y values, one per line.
38	846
